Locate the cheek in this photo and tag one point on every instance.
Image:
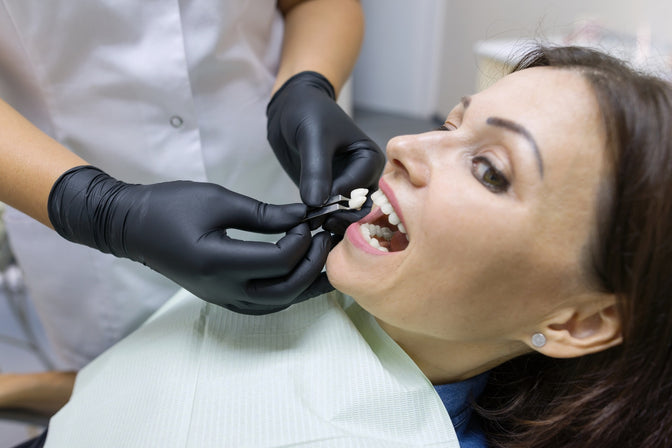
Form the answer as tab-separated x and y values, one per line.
469	244
451	230
337	267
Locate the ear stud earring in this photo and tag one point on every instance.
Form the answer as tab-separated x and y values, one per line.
538	340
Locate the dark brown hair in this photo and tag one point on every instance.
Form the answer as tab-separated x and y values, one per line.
621	397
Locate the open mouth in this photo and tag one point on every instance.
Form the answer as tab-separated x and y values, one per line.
383	229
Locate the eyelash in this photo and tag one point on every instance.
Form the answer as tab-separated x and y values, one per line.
496	181
443	127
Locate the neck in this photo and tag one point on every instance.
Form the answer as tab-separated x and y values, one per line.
444	361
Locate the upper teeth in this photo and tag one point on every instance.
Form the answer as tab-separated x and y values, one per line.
379	198
369	231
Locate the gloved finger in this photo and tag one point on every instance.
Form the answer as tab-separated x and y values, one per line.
360	167
283	290
335	239
319	286
260	217
316	165
253	309
290	160
262	259
316	222
339	221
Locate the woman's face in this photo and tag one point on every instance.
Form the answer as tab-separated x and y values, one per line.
498	209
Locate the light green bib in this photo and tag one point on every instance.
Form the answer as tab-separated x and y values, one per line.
321	374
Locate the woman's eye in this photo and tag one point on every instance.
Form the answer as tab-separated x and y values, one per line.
488	175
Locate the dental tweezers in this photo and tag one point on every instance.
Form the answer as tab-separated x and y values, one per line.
332	205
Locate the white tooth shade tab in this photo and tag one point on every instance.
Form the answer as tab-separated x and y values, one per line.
359	192
356	203
357	198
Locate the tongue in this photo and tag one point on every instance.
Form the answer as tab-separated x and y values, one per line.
398	242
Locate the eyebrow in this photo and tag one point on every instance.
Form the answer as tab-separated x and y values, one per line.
514	127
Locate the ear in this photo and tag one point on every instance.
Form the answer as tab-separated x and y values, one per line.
590	326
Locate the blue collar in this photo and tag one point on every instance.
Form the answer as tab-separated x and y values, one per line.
457	398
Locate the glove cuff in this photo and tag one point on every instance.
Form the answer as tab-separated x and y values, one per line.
77	205
309	78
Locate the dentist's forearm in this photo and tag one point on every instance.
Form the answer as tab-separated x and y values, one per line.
30	163
43	392
320	35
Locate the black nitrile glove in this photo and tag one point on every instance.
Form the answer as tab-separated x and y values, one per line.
179	230
319	146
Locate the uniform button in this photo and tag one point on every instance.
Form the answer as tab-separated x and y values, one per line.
176	121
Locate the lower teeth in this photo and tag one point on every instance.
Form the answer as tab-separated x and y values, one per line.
370	232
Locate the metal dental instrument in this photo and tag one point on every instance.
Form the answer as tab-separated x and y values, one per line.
332	205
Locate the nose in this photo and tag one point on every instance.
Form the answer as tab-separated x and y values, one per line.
408	155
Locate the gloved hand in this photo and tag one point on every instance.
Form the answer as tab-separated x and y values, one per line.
179	230
319	146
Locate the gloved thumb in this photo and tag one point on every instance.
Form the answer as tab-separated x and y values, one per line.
320	286
316	171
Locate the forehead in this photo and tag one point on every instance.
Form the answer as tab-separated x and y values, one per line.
542	96
533	84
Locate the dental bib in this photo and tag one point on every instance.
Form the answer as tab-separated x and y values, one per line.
320	374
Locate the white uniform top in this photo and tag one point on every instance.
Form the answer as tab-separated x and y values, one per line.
148	91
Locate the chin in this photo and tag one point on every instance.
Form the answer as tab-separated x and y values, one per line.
348	274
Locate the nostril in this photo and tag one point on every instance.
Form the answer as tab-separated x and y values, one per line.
399	167
413	170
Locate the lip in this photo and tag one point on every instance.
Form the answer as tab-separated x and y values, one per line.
353	232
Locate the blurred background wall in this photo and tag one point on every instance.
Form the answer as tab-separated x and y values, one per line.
419	56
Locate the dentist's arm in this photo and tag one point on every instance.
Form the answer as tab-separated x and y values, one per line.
30	163
319	146
176	228
320	35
